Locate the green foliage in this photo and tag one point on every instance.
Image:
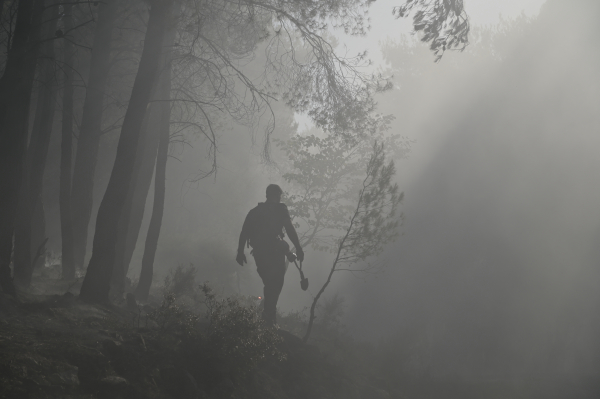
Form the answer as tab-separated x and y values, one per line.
371	225
171	316
375	221
230	337
236	333
443	23
181	281
324	176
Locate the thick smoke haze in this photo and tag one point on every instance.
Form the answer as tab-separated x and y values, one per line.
497	270
439	162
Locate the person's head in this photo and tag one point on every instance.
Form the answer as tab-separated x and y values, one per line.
274	193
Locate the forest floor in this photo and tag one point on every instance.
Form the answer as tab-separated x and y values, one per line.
56	346
52	345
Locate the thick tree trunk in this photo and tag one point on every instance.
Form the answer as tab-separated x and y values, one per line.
1	9
25	247
38	233
96	284
147	272
133	213
66	153
142	189
89	134
15	94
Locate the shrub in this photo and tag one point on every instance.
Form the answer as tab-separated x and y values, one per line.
171	316
181	281
236	335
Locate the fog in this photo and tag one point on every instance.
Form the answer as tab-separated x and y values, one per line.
496	270
498	264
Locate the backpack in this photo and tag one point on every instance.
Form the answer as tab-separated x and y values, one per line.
265	228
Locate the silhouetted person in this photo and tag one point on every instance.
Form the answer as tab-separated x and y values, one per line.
263	230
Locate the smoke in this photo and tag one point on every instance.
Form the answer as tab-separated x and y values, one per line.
497	269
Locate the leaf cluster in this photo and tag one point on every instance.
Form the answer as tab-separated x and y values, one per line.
218	41
325	175
375	221
443	23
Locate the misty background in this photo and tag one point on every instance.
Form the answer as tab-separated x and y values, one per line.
497	271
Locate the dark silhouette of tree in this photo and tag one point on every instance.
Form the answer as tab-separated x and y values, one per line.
90	130
154	128
131	219
15	93
66	150
30	203
97	280
146	274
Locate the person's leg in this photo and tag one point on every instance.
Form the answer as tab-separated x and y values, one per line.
271	268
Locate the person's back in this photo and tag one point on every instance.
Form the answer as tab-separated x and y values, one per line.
263	230
266	224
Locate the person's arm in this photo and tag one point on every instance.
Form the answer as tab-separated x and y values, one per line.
293	235
241	257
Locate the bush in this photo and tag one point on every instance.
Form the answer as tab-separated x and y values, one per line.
236	334
229	342
171	316
181	281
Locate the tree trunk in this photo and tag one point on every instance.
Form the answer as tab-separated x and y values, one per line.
143	287
1	9
140	195
89	134
25	247
96	284
133	213
131	218
15	95
38	233
66	153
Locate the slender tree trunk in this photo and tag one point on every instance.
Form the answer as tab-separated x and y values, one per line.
15	95
25	247
313	307
66	153
89	134
143	287
341	246
133	213
96	284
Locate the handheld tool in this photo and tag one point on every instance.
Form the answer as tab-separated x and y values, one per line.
303	280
